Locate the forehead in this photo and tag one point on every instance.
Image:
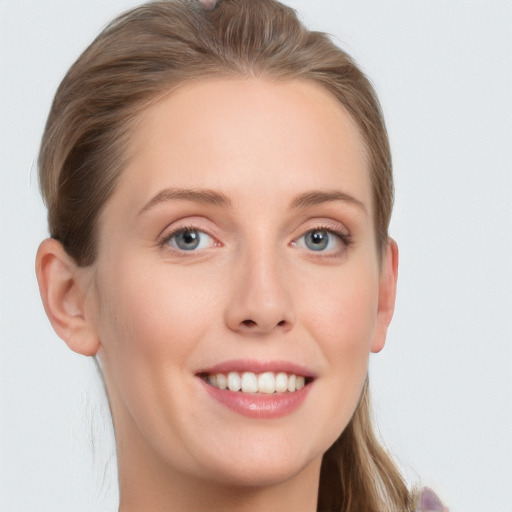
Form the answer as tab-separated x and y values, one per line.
255	134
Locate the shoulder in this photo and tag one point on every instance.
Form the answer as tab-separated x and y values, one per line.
428	501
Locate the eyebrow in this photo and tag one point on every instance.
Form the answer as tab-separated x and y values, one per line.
317	197
204	196
207	196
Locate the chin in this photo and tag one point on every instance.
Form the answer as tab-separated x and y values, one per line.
268	474
261	465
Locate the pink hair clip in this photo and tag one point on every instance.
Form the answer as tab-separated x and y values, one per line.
208	5
428	501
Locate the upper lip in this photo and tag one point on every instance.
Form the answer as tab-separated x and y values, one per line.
255	366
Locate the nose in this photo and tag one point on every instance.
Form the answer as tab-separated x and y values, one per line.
260	302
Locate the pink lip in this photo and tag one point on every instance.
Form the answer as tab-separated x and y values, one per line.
255	405
246	365
259	405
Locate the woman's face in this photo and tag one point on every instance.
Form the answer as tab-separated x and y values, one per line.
239	240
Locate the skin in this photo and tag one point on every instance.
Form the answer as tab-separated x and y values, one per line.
254	289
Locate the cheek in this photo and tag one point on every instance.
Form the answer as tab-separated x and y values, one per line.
342	321
342	317
336	312
150	329
152	314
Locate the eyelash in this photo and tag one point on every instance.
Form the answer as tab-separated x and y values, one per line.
165	240
344	238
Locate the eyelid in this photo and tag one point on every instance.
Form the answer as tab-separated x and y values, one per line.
333	228
168	233
326	224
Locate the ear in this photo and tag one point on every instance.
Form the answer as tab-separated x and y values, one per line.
63	289
387	294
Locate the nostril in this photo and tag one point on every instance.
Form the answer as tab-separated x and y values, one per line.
252	323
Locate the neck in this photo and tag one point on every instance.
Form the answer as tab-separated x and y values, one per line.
180	495
169	491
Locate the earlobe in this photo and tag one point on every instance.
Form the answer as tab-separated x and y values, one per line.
387	294
64	297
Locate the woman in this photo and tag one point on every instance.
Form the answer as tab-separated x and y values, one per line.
218	182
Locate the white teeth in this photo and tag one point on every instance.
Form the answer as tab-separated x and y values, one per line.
291	383
266	383
234	381
249	382
222	381
281	382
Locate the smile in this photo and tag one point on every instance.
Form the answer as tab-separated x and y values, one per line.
261	383
258	389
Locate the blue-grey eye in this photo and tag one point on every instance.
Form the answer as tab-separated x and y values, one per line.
321	240
317	240
190	239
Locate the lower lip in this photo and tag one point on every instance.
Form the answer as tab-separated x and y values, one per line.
260	406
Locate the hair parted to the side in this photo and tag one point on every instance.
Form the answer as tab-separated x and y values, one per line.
139	58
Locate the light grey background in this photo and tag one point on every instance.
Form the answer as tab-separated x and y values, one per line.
443	385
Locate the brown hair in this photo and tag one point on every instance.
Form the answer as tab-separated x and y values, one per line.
140	57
